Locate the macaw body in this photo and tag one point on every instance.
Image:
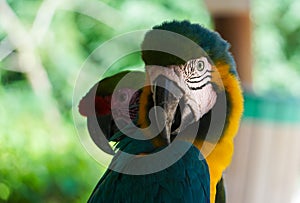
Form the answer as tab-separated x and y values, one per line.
197	175
187	180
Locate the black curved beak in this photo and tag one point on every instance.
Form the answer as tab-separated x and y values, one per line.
97	136
167	95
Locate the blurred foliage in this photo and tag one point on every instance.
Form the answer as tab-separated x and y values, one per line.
39	162
45	162
42	160
277	46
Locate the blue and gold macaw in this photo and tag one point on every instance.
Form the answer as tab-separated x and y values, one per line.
191	75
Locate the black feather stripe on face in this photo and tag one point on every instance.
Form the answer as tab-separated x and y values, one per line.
197	73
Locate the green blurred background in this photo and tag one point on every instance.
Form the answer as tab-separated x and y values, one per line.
43	45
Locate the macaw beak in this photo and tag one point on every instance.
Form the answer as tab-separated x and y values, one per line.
97	136
167	95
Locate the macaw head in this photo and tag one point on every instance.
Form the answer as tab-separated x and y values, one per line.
110	105
183	63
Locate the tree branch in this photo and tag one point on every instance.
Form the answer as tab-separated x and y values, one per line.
29	61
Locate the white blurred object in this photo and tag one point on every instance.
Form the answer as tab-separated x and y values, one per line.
265	165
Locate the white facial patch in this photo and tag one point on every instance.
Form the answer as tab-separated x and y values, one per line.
197	74
206	98
193	79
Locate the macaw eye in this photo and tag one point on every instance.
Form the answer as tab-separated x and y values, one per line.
122	97
200	66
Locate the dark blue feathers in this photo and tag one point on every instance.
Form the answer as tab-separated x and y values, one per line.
187	180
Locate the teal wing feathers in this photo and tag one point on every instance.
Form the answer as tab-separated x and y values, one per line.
187	180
